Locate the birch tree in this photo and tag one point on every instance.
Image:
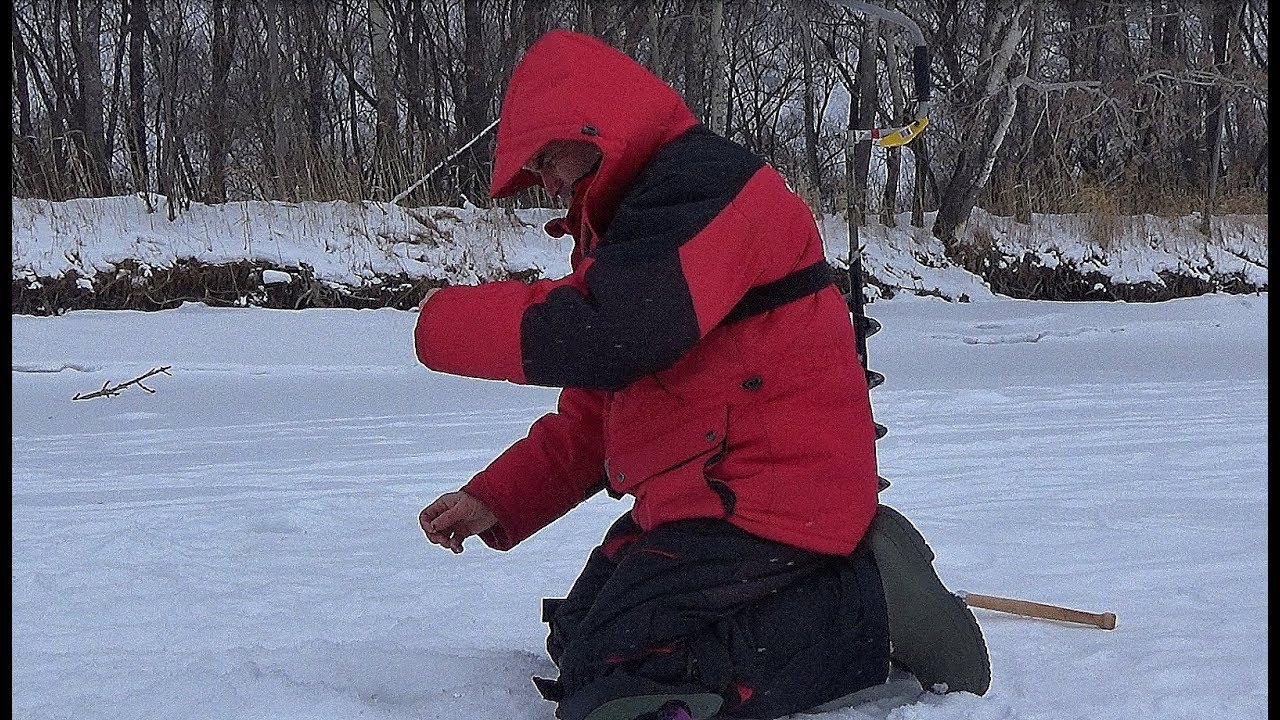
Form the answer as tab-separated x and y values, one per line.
387	123
991	109
718	102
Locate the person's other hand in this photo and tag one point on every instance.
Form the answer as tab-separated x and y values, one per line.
454	517
423	304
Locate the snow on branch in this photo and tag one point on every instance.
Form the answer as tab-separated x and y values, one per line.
108	390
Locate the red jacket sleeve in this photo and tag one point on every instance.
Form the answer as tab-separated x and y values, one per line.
475	331
546	474
707	223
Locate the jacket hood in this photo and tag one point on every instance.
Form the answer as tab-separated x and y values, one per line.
570	86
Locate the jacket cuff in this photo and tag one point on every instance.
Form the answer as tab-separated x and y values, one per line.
474	331
506	534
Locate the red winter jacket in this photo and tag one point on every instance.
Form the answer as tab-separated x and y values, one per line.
678	388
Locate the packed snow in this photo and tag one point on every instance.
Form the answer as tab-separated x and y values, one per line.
236	537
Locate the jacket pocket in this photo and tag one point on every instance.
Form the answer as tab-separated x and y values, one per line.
644	451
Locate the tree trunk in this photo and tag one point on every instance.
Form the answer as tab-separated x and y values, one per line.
923	181
812	122
136	125
117	82
1223	13
311	52
31	172
224	21
694	65
718	120
438	58
862	115
386	133
410	33
167	63
995	108
1035	145
87	51
477	93
278	142
900	115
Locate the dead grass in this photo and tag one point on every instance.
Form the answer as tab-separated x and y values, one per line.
238	284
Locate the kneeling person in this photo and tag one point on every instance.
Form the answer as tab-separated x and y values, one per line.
708	371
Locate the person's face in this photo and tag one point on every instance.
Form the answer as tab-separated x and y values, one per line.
562	163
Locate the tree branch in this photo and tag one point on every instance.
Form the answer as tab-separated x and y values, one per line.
1024	81
108	390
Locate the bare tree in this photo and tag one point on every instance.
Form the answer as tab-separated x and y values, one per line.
476	96
1224	17
898	115
136	122
812	121
1152	106
388	117
224	16
718	102
89	104
993	101
864	103
30	166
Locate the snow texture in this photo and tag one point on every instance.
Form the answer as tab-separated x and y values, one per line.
242	543
359	244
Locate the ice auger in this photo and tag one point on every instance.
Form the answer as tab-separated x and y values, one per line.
864	325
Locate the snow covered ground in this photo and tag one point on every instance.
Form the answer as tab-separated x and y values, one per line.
243	542
356	245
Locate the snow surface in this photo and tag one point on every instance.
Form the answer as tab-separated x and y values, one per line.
242	543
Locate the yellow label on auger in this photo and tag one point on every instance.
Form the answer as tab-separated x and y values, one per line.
903	135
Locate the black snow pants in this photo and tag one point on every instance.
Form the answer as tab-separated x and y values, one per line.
699	606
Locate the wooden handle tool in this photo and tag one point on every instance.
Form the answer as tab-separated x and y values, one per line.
1106	620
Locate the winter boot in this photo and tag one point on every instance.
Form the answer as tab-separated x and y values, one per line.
932	633
659	707
902	688
671	710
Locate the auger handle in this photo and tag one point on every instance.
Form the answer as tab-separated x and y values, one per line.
1105	621
920	71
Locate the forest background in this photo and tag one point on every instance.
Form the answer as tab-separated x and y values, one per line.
1112	110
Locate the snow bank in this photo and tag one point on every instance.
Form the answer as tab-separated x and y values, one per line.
353	245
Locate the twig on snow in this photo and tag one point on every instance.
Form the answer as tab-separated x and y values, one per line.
109	390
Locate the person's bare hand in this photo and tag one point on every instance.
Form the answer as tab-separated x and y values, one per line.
454	517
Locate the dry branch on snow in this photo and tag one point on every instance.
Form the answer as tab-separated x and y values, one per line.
109	390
